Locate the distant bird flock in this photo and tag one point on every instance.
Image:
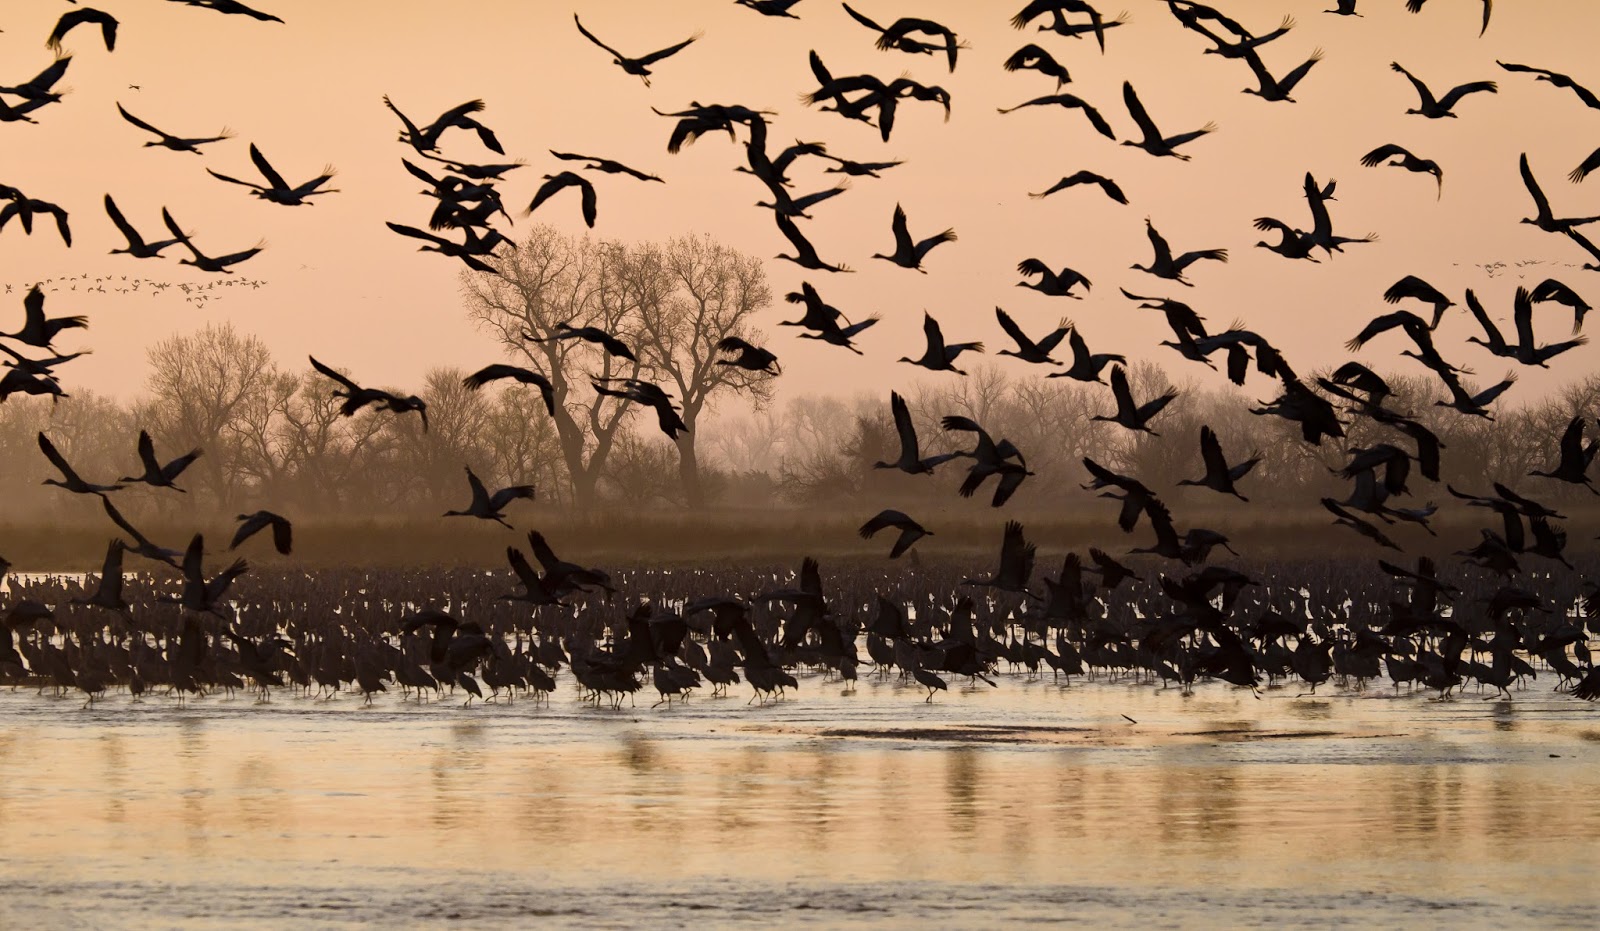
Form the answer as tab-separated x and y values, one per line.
1189	624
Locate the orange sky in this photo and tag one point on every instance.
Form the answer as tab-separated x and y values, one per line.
341	285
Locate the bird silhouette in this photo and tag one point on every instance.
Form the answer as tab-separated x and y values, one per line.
157	475
357	397
1407	161
485	506
910	530
909	254
73	18
252	524
939	355
1442	107
277	190
635	66
1151	139
169	141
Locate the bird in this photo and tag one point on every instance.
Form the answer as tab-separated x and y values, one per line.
141	544
910	459
1027	350
1033	58
589	334
771	7
155	474
908	254
1575	457
72	18
1071	102
108	592
1355	523
1057	284
40	86
1552	290
1016	563
604	164
939	355
23	209
898	36
205	263
805	254
425	139
169	141
1152	141
234	7
1086	177
1130	415
822	320
635	66
1056	8
1407	161
522	376
989	458
69	479
649	395
490	507
558	182
251	524
751	358
1220	476
1525	350
1473	404
1165	265
277	190
856	169
1414	287
1275	88
1440	108
1556	79
37	329
1086	366
1545	219
467	251
202	595
136	247
357	397
910	530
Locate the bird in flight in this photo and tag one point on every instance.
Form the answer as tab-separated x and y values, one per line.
278	191
167	140
357	397
635	66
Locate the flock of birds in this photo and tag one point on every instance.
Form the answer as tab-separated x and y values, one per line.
1178	627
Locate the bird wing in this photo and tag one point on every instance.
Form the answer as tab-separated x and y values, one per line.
1137	111
182	237
1012	330
222	177
411	128
120	521
1522	315
140	123
1491	332
670	50
1540	203
122	224
1588	165
1422	89
589	205
903	425
1211	452
352	386
1121	391
266	169
479	493
862	19
55	457
591	37
902	235
1377	155
147	452
1456	93
1158	242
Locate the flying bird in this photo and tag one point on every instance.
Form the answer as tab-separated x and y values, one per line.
1071	102
1407	161
157	475
604	164
205	263
136	247
1033	58
908	254
1152	141
491	507
72	18
1087	177
167	140
357	397
636	66
523	376
589	334
566	179
1437	109
910	530
277	190
282	531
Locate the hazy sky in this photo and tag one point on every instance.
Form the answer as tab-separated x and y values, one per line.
342	285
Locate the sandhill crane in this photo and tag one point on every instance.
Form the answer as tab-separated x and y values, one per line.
1033	58
518	374
1027	349
69	478
136	247
37	329
490	507
989	458
1274	88
1086	177
23	209
40	86
636	66
205	263
1355	523
277	190
1545	219
1407	161
939	355
157	475
426	139
897	35
108	593
805	254
910	459
908	254
589	334
1056	284
566	179
1220	476
1473	404
822	319
1552	290
1165	265
751	358
167	140
1070	102
202	595
604	164
252	524
1016	564
1056	8
234	7
910	530
771	7
1152	141
1525	350
1414	287
141	544
856	169
357	397
1437	109
649	395
1415	6
1555	79
1086	366
1130	415
73	18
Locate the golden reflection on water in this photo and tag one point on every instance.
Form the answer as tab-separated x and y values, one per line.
1220	792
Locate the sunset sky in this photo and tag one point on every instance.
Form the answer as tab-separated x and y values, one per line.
340	284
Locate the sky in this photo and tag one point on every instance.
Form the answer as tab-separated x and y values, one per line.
337	283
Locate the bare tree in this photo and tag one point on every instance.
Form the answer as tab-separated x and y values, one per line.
550	279
692	294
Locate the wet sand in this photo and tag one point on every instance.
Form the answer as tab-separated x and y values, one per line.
1026	802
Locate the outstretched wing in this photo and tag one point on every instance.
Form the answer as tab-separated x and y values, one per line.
352	386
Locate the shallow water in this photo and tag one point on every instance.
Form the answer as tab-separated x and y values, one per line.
1026	802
